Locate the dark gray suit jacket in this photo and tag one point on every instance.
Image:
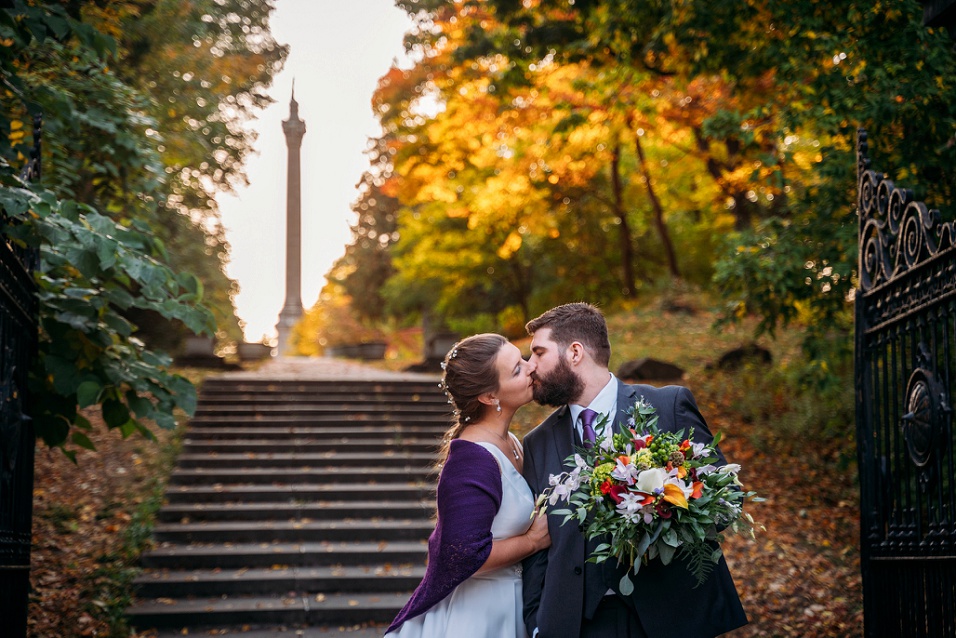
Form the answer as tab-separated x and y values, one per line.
559	585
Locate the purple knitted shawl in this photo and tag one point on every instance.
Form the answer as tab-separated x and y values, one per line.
469	495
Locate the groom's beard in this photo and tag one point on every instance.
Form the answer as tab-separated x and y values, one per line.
558	388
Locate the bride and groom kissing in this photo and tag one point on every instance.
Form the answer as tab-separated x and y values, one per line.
497	570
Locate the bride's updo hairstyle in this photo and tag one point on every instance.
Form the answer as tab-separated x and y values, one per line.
470	372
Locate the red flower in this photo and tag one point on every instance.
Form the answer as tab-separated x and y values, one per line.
663	510
606	486
639	444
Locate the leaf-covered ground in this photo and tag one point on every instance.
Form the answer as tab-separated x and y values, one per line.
85	517
799	578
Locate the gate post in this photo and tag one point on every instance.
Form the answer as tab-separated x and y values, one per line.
905	378
18	331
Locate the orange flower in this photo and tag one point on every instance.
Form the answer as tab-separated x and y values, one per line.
698	489
675	495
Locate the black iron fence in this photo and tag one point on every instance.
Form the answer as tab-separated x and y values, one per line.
905	367
18	329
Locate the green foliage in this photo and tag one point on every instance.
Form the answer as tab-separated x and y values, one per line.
550	151
91	271
125	192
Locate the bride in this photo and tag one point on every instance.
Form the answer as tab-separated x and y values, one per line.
472	585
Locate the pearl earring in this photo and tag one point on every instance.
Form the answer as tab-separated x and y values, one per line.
497	405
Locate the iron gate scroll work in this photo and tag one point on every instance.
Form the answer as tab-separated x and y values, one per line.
905	369
18	329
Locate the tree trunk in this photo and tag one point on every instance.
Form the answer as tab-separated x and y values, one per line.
627	243
743	217
659	222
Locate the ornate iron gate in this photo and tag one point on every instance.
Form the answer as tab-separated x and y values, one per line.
18	329
905	377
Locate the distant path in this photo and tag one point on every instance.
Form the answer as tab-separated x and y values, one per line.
324	369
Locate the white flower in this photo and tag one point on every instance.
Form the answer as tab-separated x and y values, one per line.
699	449
561	492
573	481
627	473
706	469
651	481
630	507
730	468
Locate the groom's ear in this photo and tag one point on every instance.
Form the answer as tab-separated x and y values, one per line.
576	352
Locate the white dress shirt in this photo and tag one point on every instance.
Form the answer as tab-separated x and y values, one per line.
605	403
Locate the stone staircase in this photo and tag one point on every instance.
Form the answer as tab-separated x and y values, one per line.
297	507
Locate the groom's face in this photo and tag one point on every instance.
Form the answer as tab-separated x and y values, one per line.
555	382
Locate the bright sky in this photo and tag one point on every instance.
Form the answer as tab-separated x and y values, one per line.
338	51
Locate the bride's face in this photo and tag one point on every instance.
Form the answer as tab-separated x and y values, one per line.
514	377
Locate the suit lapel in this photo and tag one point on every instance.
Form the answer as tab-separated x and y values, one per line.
626	396
563	437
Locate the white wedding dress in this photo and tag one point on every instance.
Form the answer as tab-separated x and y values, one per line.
487	605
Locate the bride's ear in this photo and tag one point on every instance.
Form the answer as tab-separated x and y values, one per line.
487	398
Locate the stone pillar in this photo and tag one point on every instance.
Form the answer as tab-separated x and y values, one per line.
294	129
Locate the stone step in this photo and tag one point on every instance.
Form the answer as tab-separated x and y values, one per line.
307	554
338	578
251	476
293	531
306	608
362	630
336	395
290	460
305	493
427	385
306	445
300	506
334	421
320	510
304	411
275	431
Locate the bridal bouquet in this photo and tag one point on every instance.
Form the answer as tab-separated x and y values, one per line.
653	494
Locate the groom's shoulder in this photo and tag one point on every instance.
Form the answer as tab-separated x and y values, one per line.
642	389
543	428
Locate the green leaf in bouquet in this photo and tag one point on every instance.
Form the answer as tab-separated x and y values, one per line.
626	586
602	547
666	552
565	512
670	538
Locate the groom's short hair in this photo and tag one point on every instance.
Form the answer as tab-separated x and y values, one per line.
576	322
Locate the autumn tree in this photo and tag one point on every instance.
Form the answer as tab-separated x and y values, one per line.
111	212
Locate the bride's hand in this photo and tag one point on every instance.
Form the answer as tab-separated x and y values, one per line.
538	533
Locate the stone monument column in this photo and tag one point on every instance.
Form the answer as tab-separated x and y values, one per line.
294	129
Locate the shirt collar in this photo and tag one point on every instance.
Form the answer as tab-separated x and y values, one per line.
604	403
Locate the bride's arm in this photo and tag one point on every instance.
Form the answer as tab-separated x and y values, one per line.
509	551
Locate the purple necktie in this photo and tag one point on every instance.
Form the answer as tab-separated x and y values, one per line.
587	421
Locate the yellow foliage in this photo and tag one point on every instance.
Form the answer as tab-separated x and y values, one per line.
510	245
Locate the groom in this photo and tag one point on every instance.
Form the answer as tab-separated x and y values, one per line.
565	596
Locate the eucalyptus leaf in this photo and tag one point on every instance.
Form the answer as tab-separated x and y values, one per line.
626	585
